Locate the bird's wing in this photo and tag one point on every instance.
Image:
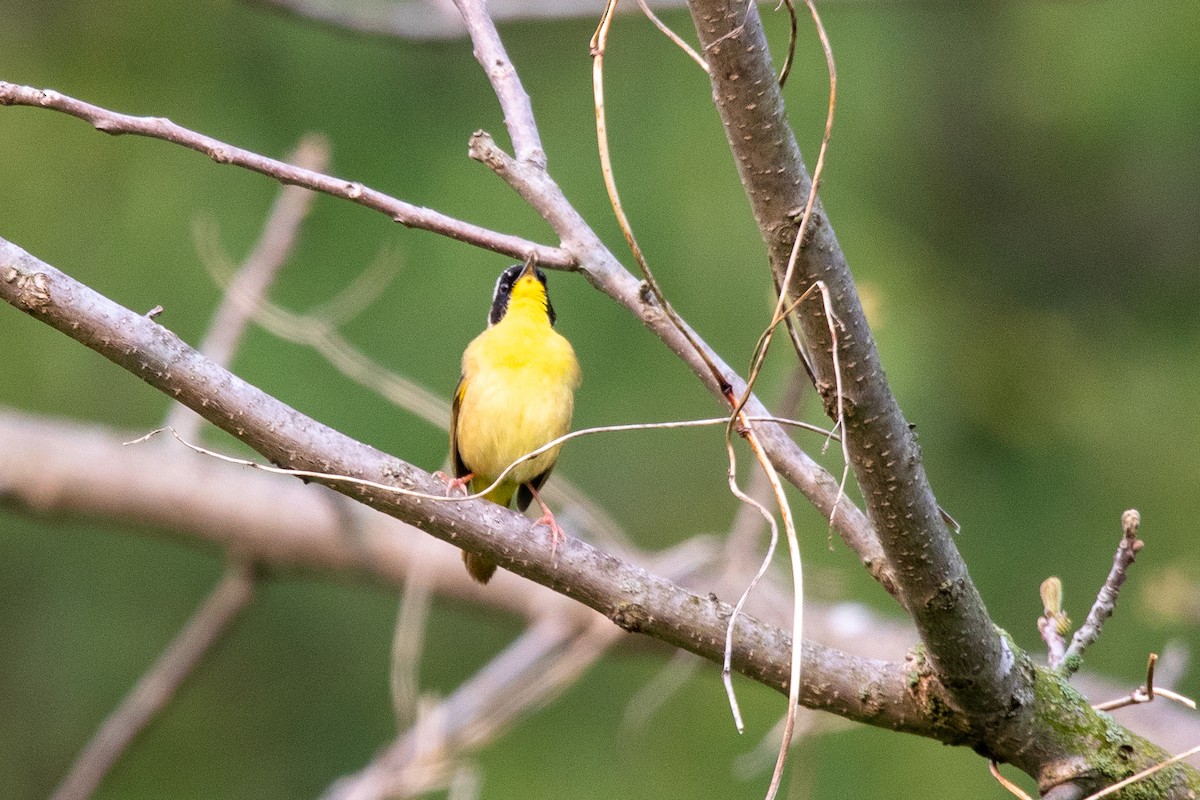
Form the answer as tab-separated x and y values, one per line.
460	468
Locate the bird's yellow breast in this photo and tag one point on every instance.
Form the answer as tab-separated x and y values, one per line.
517	392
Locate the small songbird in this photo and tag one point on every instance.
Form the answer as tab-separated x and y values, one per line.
516	393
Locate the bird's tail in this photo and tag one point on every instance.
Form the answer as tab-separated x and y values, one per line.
480	567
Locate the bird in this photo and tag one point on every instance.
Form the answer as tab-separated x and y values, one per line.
516	394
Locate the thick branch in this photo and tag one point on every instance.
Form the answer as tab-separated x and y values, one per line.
860	689
47	466
968	654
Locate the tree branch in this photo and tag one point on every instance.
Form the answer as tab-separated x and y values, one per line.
406	214
1106	598
47	467
867	690
967	652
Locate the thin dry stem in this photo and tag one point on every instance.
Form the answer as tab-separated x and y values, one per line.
672	35
334	477
1013	789
789	528
1146	693
793	35
1146	773
598	45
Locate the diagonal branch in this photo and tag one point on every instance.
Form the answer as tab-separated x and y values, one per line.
1106	600
604	272
867	690
406	214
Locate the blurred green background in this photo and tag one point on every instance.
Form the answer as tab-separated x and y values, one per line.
1015	186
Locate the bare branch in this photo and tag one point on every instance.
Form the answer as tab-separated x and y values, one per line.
159	684
429	19
405	213
1146	692
634	599
934	584
47	467
537	667
514	101
1106	599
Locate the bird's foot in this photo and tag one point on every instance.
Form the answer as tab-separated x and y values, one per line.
455	483
557	534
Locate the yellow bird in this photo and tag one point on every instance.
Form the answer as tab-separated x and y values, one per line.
516	393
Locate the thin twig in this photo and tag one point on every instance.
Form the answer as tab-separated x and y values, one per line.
408	642
159	684
1146	693
406	214
670	679
1106	599
760	356
597	46
672	35
793	32
772	481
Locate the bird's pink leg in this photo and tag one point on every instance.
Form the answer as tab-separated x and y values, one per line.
557	534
